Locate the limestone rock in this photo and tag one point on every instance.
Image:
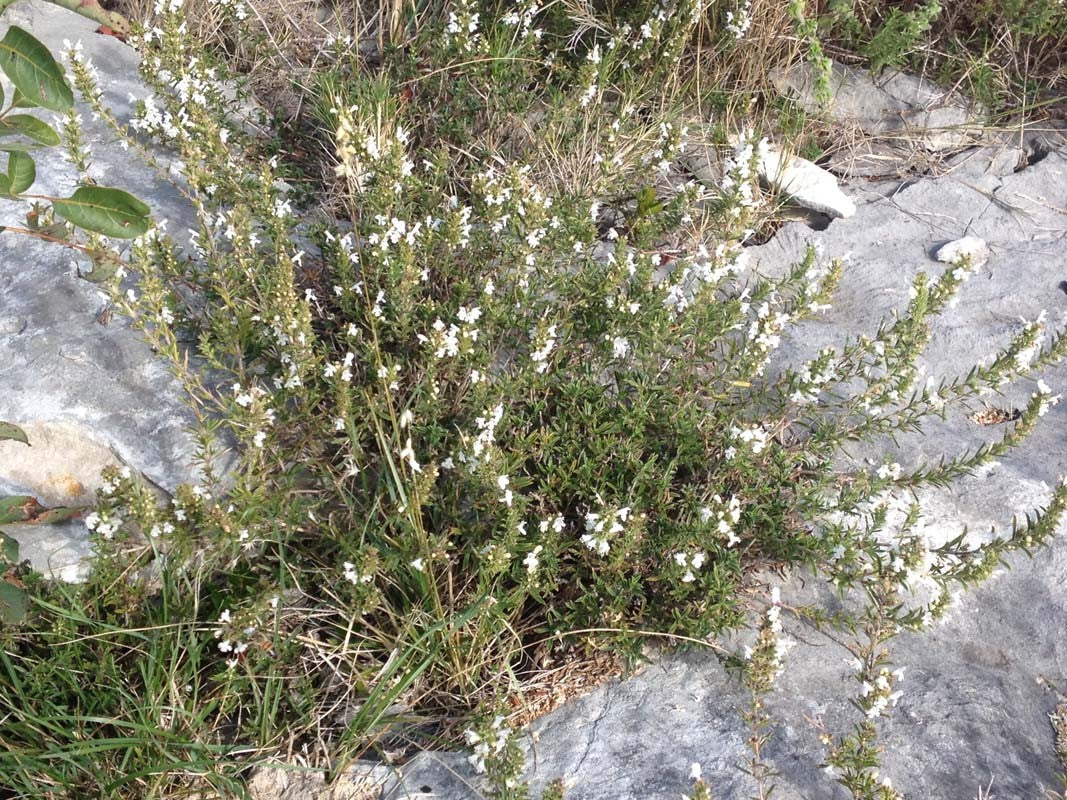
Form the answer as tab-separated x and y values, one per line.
970	247
87	394
805	183
53	467
894	106
890	125
362	781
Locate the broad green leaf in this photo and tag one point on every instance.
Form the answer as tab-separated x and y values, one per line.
112	212
18	508
1	92
21	170
23	508
33	71
18	100
13	432
9	549
22	147
29	126
14	603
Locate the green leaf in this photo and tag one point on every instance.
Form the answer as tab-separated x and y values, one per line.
22	147
14	603
21	171
18	508
57	514
23	508
104	268
12	432
33	71
9	548
18	100
29	126
112	212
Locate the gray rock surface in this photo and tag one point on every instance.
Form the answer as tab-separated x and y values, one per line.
886	125
87	394
980	684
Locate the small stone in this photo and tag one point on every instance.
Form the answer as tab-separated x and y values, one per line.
968	247
805	183
12	326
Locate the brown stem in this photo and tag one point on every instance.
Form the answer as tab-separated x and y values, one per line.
46	237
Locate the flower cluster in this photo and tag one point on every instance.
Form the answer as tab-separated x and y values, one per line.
603	527
763	660
1046	398
495	751
754	438
878	695
738	22
723	517
462	30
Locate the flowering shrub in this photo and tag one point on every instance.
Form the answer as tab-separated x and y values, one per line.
489	400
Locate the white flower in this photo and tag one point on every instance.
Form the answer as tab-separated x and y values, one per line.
739	23
889	471
754	436
408	454
1046	399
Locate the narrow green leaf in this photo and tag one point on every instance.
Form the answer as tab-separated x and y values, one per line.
13	432
29	126
9	548
111	212
57	514
33	71
14	603
21	170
